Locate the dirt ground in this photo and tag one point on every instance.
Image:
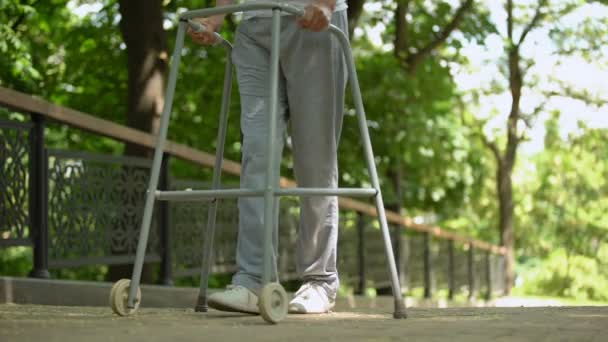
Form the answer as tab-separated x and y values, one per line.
66	324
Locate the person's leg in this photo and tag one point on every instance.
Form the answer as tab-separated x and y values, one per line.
251	58
316	77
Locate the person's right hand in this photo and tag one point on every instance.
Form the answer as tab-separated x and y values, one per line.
317	15
212	24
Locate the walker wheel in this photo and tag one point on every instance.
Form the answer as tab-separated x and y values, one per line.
273	303
119	296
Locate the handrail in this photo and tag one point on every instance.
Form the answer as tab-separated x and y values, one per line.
24	102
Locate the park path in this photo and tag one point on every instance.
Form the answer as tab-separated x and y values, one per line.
67	324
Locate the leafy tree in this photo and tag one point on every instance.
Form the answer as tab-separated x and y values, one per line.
568	193
521	20
410	97
563	215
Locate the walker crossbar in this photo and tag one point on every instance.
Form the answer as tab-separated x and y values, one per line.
194	195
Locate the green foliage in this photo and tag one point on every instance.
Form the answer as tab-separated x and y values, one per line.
415	118
412	122
15	261
16	63
569	194
566	275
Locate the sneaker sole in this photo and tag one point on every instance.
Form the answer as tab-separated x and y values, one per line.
297	312
228	308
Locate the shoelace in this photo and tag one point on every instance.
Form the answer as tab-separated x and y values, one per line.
234	288
306	288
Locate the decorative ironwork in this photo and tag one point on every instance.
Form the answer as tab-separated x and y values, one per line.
95	206
461	281
348	242
441	262
481	284
497	275
189	223
289	217
14	155
188	226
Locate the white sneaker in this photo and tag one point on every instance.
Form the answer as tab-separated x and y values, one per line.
311	298
236	298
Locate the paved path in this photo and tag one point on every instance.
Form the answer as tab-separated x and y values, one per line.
67	324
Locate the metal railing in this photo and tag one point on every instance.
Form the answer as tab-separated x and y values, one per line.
82	208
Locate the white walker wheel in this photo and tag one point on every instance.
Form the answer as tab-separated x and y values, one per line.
273	303
119	296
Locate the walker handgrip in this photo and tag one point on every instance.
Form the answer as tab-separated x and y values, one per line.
199	28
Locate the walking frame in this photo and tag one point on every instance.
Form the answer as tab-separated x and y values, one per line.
125	296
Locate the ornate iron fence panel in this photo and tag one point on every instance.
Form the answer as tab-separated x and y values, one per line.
289	217
416	261
14	195
479	262
497	275
348	256
95	209
461	278
188	226
440	264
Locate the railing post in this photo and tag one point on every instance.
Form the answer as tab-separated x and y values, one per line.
451	282
471	271
361	252
427	265
38	198
166	264
400	249
397	249
403	263
488	275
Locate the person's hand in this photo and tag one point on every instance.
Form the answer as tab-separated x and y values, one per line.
317	15
212	24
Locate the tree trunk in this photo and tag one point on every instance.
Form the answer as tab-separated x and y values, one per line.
507	162
400	249
355	8
142	30
506	214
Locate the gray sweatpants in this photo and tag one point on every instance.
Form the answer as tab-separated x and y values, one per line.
312	83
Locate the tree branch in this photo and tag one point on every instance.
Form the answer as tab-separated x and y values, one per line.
413	59
538	14
355	8
492	146
528	119
580	95
401	29
449	28
510	20
21	17
476	127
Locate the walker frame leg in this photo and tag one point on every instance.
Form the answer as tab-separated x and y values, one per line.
399	305
271	172
207	262
155	171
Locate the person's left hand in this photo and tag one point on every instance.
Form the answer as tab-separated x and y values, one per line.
317	15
